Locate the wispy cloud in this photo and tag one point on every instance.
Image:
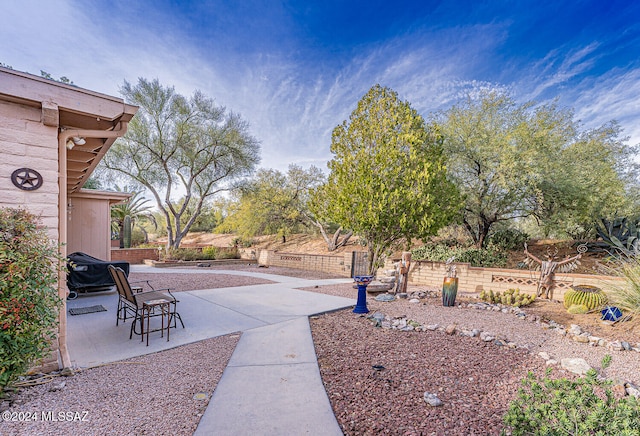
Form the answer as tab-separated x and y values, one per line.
558	68
293	102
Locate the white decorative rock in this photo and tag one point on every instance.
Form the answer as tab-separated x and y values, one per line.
575	365
544	355
432	399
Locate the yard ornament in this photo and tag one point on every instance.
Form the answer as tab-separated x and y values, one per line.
549	267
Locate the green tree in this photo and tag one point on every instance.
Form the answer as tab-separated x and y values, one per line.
189	145
512	161
388	176
318	212
274	202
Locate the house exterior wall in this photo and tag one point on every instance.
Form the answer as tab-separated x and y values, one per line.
26	142
89	224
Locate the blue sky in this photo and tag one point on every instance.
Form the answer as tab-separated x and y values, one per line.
296	69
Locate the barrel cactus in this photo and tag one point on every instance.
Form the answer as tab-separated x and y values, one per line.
589	296
577	309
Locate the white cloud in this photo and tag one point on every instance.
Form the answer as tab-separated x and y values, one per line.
292	107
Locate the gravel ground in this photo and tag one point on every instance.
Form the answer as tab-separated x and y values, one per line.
474	379
155	394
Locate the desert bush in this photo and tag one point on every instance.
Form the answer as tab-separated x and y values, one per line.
186	254
206	253
243	242
210	252
230	253
488	257
583	406
29	301
508	239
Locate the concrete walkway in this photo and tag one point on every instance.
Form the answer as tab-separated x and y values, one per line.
272	384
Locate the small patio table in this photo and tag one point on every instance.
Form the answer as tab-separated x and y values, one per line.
148	309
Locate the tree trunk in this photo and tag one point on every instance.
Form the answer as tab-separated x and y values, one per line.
334	243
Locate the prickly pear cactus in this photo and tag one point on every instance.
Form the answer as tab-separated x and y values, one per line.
589	296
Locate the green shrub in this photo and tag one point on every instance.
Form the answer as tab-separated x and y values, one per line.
488	257
584	406
206	253
29	302
508	239
210	253
230	253
186	254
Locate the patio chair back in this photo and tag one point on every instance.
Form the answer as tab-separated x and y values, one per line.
122	284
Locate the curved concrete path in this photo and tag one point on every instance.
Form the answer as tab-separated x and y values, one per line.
271	385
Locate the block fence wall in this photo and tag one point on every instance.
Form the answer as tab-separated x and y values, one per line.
133	255
339	265
474	279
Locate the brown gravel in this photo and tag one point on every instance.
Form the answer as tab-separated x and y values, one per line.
154	394
474	379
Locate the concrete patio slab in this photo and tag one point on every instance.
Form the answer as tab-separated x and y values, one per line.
271	386
94	339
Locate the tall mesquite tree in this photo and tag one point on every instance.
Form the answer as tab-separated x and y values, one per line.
388	177
515	160
188	145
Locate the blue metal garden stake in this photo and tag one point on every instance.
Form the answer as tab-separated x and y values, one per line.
361	305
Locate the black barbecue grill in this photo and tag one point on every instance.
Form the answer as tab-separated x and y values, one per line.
88	274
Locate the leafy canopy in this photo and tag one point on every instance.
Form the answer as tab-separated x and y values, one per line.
274	202
515	160
388	176
188	145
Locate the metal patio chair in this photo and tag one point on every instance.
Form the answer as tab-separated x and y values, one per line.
132	298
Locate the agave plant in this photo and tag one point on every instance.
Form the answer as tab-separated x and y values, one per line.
622	234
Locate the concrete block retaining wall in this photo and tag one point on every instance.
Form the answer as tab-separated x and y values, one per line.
475	279
339	264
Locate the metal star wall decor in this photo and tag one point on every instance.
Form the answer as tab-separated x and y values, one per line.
26	179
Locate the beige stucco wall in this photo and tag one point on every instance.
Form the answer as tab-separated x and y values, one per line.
26	142
89	223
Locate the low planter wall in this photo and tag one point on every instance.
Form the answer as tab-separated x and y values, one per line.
475	279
